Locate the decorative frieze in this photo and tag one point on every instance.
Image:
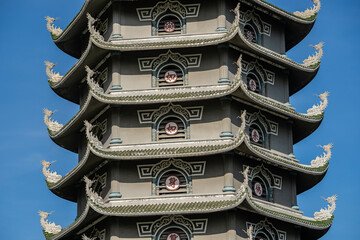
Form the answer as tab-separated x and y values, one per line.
153	63
51	177
308	13
150	229
189	113
251	16
183	10
326	213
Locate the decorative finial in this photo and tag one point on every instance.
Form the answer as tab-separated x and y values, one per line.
308	13
327	213
49	227
91	137
91	82
319	109
322	160
52	125
51	28
91	27
315	59
51	177
53	77
245	184
94	196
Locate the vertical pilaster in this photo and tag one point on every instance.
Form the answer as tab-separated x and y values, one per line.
228	172
116	18
223	50
290	138
115	126
115	231
116	73
115	177
231	225
293	191
221	20
226	122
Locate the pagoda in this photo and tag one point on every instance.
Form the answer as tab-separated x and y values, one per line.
184	129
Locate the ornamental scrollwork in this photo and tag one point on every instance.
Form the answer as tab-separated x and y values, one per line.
174	162
94	196
84	237
91	27
309	12
273	180
53	77
167	220
249	233
263	27
326	213
266	226
319	108
51	177
91	81
51	28
322	160
92	138
52	125
49	227
315	59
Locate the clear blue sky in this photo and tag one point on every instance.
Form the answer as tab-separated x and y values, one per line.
25	44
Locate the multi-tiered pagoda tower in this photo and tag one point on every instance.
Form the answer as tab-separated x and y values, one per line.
185	130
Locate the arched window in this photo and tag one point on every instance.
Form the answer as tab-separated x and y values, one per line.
172	181
170	75
171	128
256	135
174	233
253	83
263	236
250	33
169	24
259	188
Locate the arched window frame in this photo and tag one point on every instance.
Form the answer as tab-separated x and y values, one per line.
181	228
263	132
259	80
156	73
158	177
156	125
269	191
156	22
266	228
258	35
265	233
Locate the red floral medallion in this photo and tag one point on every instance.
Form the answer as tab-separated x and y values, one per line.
258	189
172	183
171	128
169	26
252	85
170	76
255	136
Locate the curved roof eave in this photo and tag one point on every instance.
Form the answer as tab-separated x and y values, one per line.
68	40
296	28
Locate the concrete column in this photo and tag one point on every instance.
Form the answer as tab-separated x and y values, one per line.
290	139
226	122
115	232
231	225
115	126
293	191
115	177
116	73
116	31
223	50
221	20
229	172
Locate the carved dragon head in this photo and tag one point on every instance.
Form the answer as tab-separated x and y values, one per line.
49	64
44	214
318	46
328	147
48	113
45	163
324	95
50	19
331	200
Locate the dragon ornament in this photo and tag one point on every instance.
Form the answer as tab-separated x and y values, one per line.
91	137
245	185
315	59
94	196
53	77
249	232
51	177
51	28
327	213
91	82
319	109
322	160
91	27
49	227
309	12
52	125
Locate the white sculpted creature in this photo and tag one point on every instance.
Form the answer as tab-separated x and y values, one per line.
91	193
53	77
51	177
245	184
53	125
309	12
91	137
322	160
51	28
84	237
239	70
91	27
318	109
237	15
249	233
92	83
327	213
315	59
49	227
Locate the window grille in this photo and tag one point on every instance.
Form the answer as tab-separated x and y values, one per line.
171	128
173	234
170	76
172	182
169	24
